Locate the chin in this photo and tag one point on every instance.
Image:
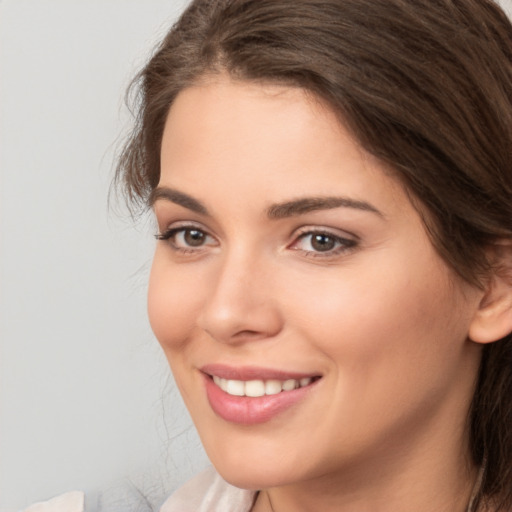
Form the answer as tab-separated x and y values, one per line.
256	470
252	478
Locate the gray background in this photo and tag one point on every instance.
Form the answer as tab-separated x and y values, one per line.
84	398
84	392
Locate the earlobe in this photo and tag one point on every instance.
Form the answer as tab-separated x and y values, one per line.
493	319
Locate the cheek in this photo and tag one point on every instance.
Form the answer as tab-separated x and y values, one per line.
391	341
382	315
173	304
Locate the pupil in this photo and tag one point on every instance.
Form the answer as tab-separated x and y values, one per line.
194	237
322	243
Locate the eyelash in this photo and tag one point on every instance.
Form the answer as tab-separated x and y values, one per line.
170	235
342	245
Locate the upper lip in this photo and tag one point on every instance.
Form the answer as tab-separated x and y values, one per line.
246	373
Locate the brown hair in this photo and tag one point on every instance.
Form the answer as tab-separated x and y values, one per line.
424	85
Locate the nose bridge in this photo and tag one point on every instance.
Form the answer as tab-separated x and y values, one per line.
240	305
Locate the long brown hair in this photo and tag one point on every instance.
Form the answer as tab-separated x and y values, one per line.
424	85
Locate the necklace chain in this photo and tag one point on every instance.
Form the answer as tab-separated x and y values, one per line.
270	503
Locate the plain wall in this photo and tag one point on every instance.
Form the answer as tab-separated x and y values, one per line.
84	398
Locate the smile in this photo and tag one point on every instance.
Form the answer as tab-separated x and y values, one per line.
258	388
250	396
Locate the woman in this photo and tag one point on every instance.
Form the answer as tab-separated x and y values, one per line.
332	281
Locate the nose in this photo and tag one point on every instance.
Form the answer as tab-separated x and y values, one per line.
241	305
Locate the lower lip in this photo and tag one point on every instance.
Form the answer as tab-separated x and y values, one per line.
245	410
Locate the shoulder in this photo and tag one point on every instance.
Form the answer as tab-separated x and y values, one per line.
208	492
69	502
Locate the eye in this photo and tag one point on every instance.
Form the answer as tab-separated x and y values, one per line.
187	238
190	237
318	243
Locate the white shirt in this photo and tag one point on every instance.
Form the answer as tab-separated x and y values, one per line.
69	502
206	492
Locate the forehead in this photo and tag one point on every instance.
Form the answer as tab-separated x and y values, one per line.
220	106
229	138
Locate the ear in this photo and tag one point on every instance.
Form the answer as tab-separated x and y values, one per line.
493	318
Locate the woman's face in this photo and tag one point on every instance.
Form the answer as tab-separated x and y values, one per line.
308	321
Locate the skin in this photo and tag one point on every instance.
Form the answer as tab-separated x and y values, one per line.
380	317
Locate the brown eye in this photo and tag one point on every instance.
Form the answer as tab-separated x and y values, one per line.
194	237
187	238
321	242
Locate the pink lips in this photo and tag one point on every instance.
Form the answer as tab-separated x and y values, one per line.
245	410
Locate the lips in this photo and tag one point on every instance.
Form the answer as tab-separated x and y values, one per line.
250	395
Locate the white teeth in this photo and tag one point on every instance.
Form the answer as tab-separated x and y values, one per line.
257	388
290	384
235	387
222	383
272	387
254	388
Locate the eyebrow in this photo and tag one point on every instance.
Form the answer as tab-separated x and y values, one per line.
177	197
311	204
275	211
